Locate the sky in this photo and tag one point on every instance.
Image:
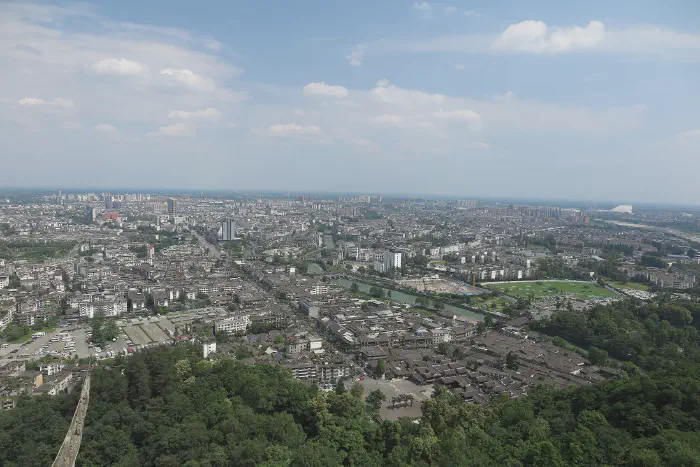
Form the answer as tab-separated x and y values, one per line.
539	99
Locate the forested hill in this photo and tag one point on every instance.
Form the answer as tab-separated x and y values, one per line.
166	407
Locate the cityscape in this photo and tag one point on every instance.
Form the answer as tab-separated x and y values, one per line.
400	296
349	234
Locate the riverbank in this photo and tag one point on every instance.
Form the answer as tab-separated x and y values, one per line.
401	296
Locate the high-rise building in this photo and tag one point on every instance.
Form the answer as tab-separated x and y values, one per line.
92	213
392	260
228	230
109	202
171	205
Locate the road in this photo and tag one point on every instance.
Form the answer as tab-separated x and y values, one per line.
214	251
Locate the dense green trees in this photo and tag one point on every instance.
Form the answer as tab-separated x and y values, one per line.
167	407
103	330
653	261
31	434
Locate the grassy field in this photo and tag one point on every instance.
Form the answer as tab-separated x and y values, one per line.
582	291
489	303
629	285
28	336
34	251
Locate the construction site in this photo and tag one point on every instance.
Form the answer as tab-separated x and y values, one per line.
433	285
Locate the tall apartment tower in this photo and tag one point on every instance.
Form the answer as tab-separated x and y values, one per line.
228	230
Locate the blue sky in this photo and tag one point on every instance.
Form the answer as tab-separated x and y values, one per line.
571	100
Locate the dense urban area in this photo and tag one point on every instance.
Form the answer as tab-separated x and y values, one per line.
326	330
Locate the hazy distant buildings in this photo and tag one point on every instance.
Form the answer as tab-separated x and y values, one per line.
109	202
171	205
466	203
157	207
624	208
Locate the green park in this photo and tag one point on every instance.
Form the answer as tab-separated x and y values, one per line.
581	290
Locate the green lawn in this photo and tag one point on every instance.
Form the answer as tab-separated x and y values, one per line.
582	291
489	303
26	337
629	285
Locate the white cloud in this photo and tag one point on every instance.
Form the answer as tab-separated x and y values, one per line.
212	44
505	96
458	66
652	40
477	145
387	119
209	113
306	113
323	89
106	129
402	121
118	66
294	130
149	28
469	13
361	142
61	102
177	129
383	83
355	57
55	103
459	115
31	101
189	79
422	6
450	9
407	98
535	37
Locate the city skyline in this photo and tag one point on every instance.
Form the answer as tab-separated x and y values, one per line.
545	101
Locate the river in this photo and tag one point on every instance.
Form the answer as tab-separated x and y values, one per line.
402	297
668	230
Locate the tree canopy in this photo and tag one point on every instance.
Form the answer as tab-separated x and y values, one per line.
166	406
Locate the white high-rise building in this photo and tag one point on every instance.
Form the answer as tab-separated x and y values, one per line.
392	260
228	230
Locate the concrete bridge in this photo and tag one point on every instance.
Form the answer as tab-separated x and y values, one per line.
71	444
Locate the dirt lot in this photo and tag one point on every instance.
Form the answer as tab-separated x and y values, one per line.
439	286
393	388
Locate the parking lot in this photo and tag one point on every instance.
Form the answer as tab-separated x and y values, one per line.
134	332
63	343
